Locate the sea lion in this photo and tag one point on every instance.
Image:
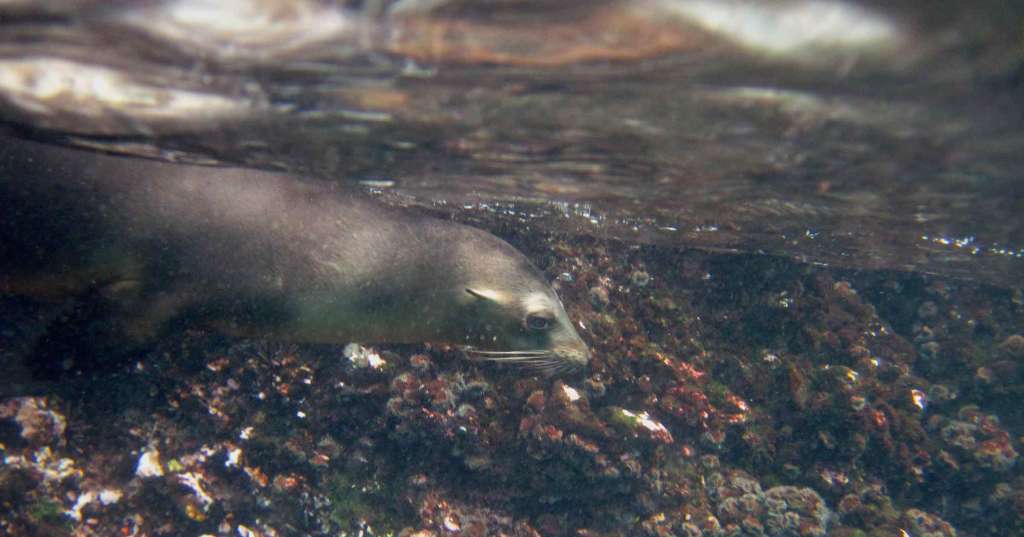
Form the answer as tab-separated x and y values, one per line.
255	253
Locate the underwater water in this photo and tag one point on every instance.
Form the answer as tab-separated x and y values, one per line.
790	232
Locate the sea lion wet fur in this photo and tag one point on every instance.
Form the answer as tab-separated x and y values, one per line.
264	254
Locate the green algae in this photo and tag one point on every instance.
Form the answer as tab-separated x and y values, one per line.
49	512
356	502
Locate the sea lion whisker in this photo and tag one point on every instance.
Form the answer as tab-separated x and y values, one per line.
562	367
503	354
551	361
543	362
507	353
549	370
512	356
555	367
520	359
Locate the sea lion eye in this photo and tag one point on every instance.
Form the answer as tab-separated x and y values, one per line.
538	322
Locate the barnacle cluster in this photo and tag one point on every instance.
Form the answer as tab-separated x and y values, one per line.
727	395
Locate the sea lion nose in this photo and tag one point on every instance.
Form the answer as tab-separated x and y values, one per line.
577	353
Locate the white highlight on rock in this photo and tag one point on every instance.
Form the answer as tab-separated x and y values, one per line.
919	398
645	421
234	456
149	464
451	523
194	481
46	463
109	496
571	393
361	356
105	496
83	499
375	361
38	423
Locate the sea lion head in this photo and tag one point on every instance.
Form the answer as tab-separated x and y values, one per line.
510	313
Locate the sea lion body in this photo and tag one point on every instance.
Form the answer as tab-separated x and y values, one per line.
264	254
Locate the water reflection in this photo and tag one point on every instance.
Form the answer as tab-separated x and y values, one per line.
858	134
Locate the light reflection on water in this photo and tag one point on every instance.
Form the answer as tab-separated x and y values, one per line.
852	134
